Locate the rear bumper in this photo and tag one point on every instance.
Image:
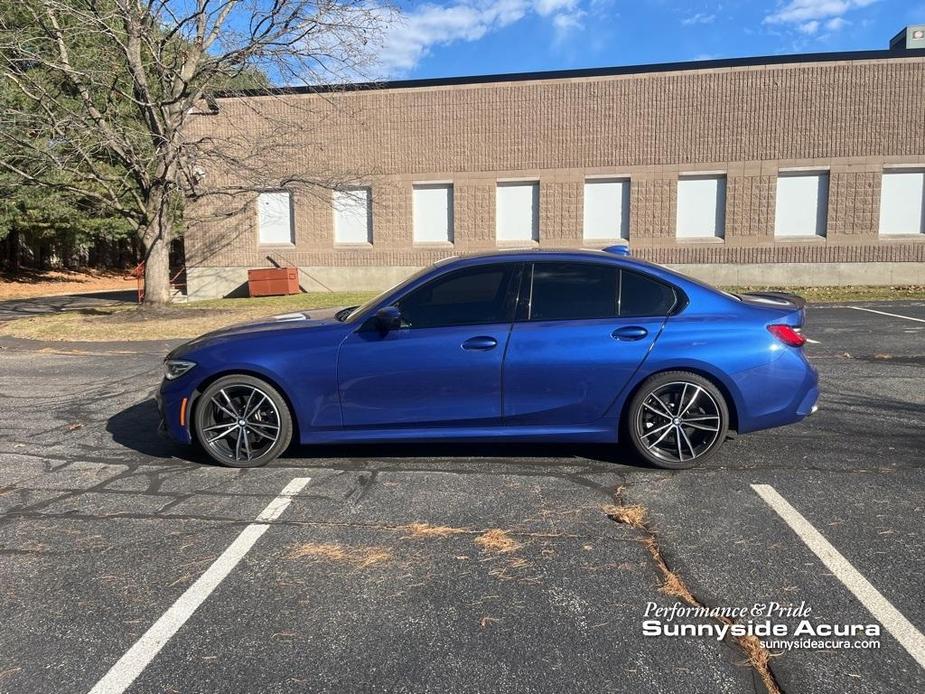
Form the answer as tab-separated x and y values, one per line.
782	392
809	404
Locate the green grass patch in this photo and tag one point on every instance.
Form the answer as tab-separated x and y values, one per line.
292	302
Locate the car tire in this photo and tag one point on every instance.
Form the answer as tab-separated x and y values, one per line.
677	420
241	421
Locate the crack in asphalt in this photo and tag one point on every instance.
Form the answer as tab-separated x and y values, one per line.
673	585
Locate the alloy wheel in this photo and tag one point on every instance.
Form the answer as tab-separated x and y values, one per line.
241	423
678	422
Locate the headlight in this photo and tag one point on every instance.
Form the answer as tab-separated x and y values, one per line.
174	368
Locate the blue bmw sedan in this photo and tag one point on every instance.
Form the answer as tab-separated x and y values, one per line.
565	346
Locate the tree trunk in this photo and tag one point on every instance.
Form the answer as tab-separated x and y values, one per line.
157	271
13	240
155	238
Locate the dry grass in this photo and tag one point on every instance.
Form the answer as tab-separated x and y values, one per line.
824	295
634	516
118	324
428	530
9	672
132	323
674	586
30	283
291	302
496	541
358	557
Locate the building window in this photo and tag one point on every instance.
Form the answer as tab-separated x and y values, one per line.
517	217
433	213
802	204
353	219
902	202
274	218
701	207
607	208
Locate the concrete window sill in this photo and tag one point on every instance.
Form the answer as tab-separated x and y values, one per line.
901	238
517	244
800	239
604	243
700	240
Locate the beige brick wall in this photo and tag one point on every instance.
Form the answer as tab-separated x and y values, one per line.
850	118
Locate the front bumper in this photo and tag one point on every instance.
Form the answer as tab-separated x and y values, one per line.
174	398
162	422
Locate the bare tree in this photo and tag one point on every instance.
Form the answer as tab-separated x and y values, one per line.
97	96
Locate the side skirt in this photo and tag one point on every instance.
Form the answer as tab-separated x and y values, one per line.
600	432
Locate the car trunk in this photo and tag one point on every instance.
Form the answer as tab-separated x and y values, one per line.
790	308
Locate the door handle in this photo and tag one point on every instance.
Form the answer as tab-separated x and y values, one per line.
629	332
483	343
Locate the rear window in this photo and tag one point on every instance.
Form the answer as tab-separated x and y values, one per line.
644	296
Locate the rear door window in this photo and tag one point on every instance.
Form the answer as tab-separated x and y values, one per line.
573	291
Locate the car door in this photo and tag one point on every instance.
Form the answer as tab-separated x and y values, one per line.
443	366
583	330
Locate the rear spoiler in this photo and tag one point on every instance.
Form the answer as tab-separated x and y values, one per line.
777	299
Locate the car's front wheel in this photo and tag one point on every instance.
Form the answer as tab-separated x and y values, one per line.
242	421
677	419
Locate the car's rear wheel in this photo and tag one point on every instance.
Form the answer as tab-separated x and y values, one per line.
242	421
677	419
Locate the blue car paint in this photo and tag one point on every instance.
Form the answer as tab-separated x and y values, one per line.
547	381
422	377
568	372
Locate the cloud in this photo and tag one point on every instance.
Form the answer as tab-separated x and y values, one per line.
548	7
566	23
699	18
415	33
806	16
810	27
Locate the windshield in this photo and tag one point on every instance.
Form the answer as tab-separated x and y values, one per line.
350	314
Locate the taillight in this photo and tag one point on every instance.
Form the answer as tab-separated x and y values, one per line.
788	335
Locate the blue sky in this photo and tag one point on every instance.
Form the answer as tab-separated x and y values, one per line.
469	37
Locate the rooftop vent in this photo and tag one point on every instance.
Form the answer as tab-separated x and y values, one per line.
912	36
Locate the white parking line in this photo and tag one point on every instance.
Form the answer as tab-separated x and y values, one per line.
883	611
884	313
136	659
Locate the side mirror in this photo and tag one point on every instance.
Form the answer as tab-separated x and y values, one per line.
388	318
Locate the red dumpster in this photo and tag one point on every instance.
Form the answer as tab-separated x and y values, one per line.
273	281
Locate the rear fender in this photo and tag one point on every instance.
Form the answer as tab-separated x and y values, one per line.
727	386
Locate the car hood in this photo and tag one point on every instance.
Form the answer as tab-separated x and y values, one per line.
298	320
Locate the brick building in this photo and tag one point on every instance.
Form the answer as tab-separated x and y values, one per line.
786	170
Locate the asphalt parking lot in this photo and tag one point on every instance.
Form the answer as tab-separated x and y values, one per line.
454	568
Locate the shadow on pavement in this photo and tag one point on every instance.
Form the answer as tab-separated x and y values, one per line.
136	428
